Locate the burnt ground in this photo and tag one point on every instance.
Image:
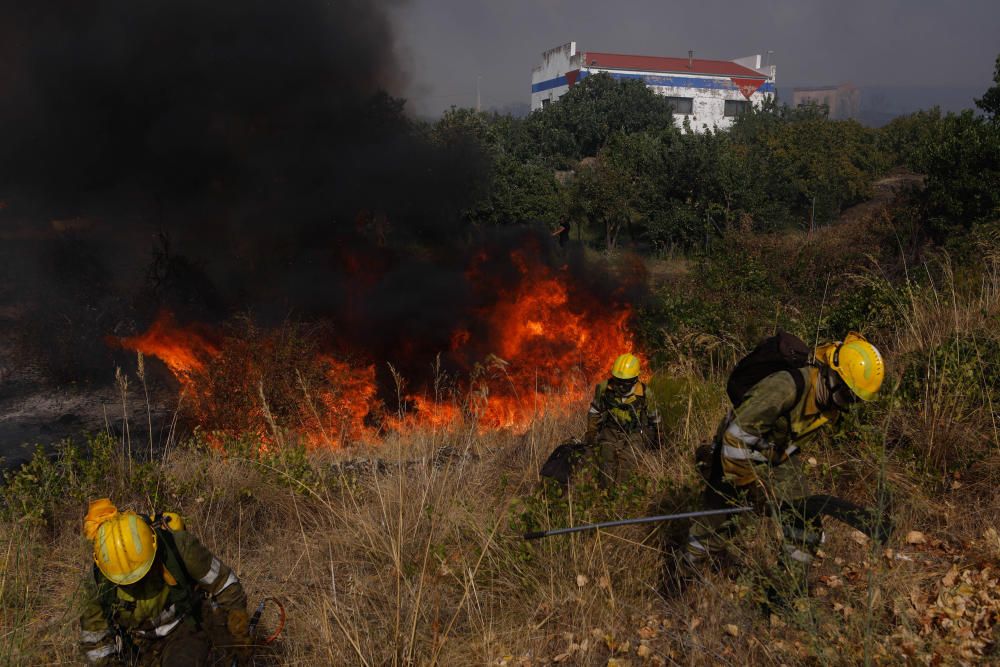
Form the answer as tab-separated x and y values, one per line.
37	410
44	396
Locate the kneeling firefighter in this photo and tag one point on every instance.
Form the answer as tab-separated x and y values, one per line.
157	595
621	419
781	400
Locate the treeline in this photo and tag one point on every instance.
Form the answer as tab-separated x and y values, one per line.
608	159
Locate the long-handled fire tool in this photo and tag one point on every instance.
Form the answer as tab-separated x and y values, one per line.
877	526
628	522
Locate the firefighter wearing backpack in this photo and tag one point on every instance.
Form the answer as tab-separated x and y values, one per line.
157	596
755	452
622	418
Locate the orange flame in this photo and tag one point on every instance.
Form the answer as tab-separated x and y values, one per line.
184	350
546	344
550	352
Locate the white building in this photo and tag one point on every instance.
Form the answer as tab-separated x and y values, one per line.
842	102
709	93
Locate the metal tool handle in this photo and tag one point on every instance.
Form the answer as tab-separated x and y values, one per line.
627	522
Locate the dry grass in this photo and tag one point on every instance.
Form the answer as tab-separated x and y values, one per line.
419	564
415	558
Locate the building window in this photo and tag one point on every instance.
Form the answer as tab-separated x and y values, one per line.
545	102
736	107
681	105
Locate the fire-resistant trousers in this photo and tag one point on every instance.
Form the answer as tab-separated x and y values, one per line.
776	490
186	646
616	455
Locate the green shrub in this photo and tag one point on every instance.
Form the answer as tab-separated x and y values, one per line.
72	474
967	366
872	305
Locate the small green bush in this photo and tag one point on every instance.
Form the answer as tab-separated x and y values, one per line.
36	492
967	365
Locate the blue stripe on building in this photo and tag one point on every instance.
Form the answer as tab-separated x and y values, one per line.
549	85
707	83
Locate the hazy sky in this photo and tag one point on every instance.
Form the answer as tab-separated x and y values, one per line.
445	45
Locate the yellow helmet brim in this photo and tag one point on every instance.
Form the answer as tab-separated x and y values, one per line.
860	366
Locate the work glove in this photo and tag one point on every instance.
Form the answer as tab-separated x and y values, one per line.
241	645
704	457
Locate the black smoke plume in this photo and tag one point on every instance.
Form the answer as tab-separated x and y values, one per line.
219	157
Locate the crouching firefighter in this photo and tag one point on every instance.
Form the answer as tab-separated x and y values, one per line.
781	400
622	419
157	595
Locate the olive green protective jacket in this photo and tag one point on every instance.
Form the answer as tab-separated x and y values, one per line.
770	424
629	414
152	608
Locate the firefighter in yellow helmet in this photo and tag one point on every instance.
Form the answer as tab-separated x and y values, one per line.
157	596
755	455
622	418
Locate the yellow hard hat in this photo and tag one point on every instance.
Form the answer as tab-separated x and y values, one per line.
626	367
857	362
124	548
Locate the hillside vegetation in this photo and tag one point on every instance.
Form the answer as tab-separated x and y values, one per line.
409	550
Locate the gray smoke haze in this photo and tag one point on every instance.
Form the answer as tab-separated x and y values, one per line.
888	44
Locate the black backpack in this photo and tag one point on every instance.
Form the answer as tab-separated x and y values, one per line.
780	352
564	461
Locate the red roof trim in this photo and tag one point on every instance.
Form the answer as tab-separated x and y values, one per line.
675	65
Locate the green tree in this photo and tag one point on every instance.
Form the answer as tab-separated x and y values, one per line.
510	189
904	137
519	192
801	158
962	174
582	122
990	101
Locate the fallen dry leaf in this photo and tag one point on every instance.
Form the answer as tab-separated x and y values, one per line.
732	630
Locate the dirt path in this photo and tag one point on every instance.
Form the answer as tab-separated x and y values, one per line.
885	191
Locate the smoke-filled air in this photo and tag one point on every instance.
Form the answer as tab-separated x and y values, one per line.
427	333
